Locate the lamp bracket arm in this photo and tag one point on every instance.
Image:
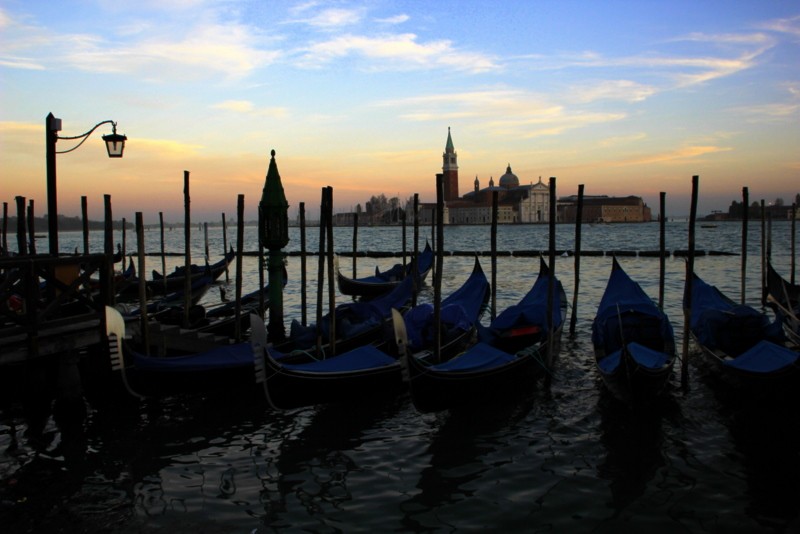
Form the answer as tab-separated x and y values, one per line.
84	136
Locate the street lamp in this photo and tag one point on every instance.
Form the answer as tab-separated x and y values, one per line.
273	231
115	145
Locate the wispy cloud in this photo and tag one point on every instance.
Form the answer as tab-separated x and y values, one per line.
790	26
621	140
500	112
245	106
396	19
396	51
326	19
202	50
213	48
625	90
682	153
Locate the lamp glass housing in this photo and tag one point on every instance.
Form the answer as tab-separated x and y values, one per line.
115	144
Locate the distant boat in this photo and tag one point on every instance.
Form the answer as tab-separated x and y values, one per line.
708	226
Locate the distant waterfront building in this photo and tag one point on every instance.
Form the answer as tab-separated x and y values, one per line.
604	209
515	203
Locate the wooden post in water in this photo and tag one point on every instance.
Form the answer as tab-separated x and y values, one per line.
768	249
22	246
225	246
163	254
355	244
31	230
303	281
205	237
437	278
577	260
763	253
187	229
239	254
321	269
745	217
403	237
124	244
794	241
493	237
551	286
662	248
142	282
85	217
687	310
5	228
108	245
415	259
331	273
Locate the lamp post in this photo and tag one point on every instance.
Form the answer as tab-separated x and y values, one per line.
115	145
273	214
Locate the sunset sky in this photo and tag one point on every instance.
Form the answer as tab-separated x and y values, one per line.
624	97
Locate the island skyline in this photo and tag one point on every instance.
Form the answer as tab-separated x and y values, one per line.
359	96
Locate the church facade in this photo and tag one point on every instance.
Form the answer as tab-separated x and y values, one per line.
516	203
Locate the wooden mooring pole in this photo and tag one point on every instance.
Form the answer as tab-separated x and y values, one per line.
551	285
187	244
239	255
493	237
687	311
142	282
745	216
662	247
577	260
303	274
85	217
331	272
22	245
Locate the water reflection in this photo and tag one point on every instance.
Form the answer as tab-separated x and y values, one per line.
465	447
634	443
306	476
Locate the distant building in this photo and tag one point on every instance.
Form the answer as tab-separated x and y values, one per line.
515	203
604	209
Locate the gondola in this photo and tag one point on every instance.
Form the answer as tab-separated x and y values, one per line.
460	316
220	367
365	372
784	298
356	323
381	282
511	354
634	343
746	348
161	285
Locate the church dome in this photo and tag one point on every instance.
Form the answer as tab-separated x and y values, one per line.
509	180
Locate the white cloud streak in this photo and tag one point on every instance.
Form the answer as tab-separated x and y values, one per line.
396	52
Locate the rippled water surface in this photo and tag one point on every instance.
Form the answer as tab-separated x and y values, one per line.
563	458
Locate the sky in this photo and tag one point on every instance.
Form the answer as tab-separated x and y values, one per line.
626	98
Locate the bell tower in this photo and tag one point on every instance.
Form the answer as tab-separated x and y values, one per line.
450	169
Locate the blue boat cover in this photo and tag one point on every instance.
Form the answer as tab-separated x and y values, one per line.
479	357
531	310
720	324
354	318
461	309
358	359
226	357
625	300
764	357
643	356
397	271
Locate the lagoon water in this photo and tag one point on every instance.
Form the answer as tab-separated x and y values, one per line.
563	458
